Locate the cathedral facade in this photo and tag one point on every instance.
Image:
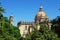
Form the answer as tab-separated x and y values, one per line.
28	27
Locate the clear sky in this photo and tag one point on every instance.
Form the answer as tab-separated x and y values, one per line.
25	10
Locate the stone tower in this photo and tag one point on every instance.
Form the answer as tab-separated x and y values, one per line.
11	19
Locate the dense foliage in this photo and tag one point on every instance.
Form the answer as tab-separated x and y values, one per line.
9	32
56	25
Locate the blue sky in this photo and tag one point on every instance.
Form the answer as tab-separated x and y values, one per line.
25	10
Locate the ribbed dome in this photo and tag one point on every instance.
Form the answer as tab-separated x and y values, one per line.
41	16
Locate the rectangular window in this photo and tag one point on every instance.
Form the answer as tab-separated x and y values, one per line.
25	27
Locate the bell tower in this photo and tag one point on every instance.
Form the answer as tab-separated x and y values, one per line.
11	19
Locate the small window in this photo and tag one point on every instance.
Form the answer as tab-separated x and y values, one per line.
25	27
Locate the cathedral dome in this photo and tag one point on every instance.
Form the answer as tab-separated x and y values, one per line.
41	16
41	13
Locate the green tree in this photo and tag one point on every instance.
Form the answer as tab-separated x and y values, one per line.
56	25
43	34
7	31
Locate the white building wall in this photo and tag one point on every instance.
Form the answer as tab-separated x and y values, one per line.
23	31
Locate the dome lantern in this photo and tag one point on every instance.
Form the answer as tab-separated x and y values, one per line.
41	8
